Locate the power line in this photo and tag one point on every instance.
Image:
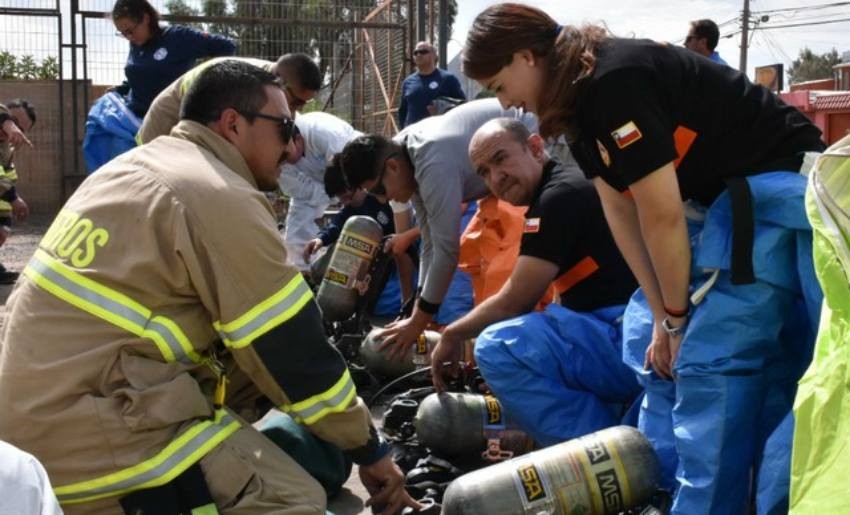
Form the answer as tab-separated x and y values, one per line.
824	22
803	8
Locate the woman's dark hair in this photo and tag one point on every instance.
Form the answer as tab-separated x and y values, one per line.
136	10
570	52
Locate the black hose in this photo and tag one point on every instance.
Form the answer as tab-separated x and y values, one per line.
395	382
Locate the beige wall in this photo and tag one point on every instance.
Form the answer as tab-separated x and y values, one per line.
41	170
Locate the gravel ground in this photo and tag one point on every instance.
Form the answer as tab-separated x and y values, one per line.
15	254
17	250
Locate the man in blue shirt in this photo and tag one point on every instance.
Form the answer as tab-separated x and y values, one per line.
422	87
702	39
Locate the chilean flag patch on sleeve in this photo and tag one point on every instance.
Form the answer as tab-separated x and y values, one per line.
626	135
532	225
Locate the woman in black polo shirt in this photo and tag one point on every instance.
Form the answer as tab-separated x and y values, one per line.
653	125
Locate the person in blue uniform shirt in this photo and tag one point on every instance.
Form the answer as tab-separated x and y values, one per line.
423	86
702	38
158	55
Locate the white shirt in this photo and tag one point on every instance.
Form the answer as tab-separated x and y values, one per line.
24	486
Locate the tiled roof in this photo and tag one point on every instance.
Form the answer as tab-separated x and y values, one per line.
832	102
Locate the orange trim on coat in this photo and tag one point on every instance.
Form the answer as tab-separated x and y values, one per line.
578	273
683	138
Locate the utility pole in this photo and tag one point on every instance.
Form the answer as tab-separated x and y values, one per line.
745	29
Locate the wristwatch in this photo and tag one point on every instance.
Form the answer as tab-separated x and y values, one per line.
671	330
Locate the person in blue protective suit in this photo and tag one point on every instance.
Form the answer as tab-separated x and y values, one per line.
718	353
358	202
558	372
158	55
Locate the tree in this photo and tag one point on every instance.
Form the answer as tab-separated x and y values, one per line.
811	66
8	65
27	69
49	69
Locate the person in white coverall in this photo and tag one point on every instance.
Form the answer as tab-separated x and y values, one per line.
318	137
24	485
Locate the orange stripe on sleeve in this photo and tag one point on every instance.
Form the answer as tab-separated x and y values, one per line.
683	138
578	273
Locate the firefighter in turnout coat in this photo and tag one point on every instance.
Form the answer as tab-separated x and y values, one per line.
163	274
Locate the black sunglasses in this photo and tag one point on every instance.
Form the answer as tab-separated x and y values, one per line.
286	124
421	51
378	188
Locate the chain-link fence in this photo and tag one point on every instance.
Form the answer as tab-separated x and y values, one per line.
30	56
359	44
363	47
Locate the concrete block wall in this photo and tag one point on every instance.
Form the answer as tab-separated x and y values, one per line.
43	174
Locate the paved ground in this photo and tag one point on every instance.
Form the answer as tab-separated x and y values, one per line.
14	256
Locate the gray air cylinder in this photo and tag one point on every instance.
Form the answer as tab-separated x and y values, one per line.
319	266
466	424
417	356
603	473
347	276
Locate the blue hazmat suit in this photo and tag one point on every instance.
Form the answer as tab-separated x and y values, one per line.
559	373
744	349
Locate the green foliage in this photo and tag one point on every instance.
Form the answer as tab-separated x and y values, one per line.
49	69
811	66
181	8
8	65
25	68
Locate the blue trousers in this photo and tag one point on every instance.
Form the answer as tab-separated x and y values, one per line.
558	373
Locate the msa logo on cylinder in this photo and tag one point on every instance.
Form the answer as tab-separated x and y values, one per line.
532	484
609	488
597	453
357	244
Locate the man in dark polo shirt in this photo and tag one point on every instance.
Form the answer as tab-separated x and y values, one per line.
559	372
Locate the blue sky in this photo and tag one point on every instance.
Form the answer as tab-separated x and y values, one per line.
668	20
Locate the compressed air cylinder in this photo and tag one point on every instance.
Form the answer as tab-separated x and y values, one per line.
319	266
605	472
466	424
347	277
378	362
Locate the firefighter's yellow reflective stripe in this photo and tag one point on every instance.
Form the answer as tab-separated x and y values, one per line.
10	174
266	315
173	460
208	509
111	306
5	206
334	400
